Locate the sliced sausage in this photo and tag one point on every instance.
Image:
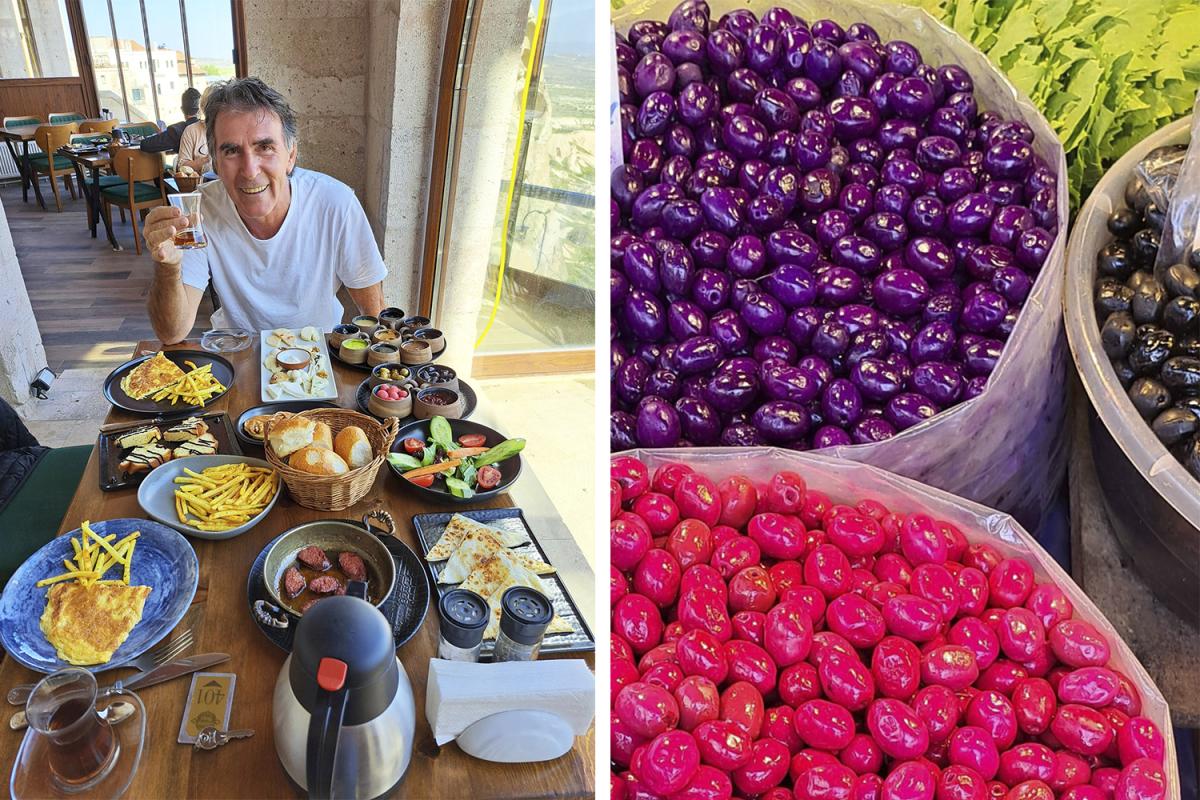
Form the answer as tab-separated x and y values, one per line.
293	582
325	584
309	604
352	564
313	557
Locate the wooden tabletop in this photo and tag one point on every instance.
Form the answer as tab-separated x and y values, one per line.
95	159
220	621
24	133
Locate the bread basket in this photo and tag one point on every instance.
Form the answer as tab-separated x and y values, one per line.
186	184
335	492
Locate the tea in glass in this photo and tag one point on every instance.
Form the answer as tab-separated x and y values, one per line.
82	748
191	237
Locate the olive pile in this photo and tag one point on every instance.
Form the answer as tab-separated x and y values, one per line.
1151	325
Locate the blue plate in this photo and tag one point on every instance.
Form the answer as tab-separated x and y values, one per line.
163	560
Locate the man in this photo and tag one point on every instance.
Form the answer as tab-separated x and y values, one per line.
169	139
281	240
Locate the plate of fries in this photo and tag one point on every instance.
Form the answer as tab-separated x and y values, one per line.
201	378
211	497
156	556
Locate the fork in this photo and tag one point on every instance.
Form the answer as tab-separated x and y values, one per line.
146	661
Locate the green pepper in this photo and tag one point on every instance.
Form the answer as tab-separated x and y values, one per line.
403	461
506	449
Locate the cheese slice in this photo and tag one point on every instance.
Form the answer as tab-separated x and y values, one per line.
475	548
459	526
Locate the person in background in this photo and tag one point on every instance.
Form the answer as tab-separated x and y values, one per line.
193	145
168	140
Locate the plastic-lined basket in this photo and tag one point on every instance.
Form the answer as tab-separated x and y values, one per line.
334	492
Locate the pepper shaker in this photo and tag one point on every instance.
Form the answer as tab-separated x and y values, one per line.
525	614
464	616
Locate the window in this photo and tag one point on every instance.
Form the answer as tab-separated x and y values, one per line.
35	40
137	95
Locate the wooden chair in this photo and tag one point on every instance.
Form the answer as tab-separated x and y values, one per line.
103	126
19	121
64	117
143	188
49	138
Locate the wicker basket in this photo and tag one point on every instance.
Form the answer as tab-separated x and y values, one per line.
335	492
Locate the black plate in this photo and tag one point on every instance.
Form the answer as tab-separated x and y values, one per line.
429	529
365	367
404	608
222	370
293	406
111	454
364	393
510	468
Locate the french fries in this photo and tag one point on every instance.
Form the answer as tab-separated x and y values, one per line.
196	387
94	556
223	497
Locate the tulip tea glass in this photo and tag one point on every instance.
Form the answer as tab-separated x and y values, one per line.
82	748
191	237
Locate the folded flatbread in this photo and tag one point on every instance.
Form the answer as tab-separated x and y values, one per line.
459	526
475	548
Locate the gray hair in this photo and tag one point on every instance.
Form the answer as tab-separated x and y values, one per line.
245	94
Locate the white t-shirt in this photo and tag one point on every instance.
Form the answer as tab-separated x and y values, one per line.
291	279
193	145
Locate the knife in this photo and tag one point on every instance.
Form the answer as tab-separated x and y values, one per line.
172	669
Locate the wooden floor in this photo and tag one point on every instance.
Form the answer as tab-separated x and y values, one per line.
90	302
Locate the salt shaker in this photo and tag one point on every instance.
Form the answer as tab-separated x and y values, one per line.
525	614
463	615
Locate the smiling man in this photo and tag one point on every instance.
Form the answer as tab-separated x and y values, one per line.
281	240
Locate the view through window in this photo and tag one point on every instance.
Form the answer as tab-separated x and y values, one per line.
140	78
35	40
548	297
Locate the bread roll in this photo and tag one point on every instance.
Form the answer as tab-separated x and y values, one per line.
323	436
353	446
290	435
318	461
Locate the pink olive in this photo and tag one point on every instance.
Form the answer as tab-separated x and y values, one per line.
614	498
621	651
825	642
787	636
961	783
921	541
647	709
618	585
734	553
631	474
698	701
690	542
704	609
751	590
856	619
767	767
1078	644
855	534
950	665
935	583
749	625
786	575
1082	729
723	533
1050	603
779	723
1069	770
911	780
982	556
815	505
972	591
956	542
668	476
666	675
871	508
1027	761
659	511
1089	686
738	500
1141	780
867	787
723	744
1034	703
896	667
628	542
703	576
825	782
994	713
775	793
623	740
698	498
897	729
1117	720
1002	676
785	493
1128	699
742	704
912	617
1088	792
978	637
813	601
638	621
828	569
861	577
808	758
669	762
893	567
882	591
749	662
862	754
1140	738
622	674
1021	634
664	652
1010	583
701	653
824	725
938	708
1030	790
846	680
1105	778
777	536
657	577
972	746
709	783
798	684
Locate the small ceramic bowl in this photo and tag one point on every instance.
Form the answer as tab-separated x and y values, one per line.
432	335
384	334
410	324
391	317
438	402
354	354
366	324
394	374
416	352
390	408
382	353
341	333
435	376
293	358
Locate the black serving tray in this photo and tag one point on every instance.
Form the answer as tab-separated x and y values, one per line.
111	453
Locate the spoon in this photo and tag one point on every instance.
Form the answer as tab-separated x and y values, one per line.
210	738
116	713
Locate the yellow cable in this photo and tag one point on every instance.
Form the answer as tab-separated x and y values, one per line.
512	181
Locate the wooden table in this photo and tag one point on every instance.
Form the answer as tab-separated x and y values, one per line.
221	622
24	134
93	162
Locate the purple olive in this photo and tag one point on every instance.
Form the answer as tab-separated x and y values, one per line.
912	98
980	358
837	286
856	253
622	431
872	429
1032	247
682	219
645	317
823	62
903	170
793	285
685	46
630	380
802	324
709	249
711	290
983	311
970	215
779	348
853	117
841	403
938	153
1013	284
697	355
729	329
751	175
697	103
861	58
781	421
901	57
857	318
724	52
1008	224
721	209
698	421
926	216
856	200
792	247
934	342
833	225
941	382
640	265
875	379
731	391
657	423
665	384
685	320
909	409
930	257
790	383
901	292
654	73
764	315
647	206
747	257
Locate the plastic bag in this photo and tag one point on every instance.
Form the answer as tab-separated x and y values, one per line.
1181	230
1005	448
1156	175
849	483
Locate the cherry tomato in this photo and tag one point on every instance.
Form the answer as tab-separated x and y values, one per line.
424	481
487	477
472	440
414	447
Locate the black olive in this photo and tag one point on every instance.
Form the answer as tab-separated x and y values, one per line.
1148	301
1125	373
1136	196
1174	425
1180	279
1194	259
1186	346
1190	404
1191	459
1117	334
1181	374
1180	314
1115	259
1155	217
1149	397
1145	245
1150	351
1112	296
1123	222
1139	277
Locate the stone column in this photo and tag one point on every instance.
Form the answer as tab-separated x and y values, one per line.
21	351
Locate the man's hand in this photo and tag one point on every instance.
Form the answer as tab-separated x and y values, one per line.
162	224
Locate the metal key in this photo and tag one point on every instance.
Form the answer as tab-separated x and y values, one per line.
210	738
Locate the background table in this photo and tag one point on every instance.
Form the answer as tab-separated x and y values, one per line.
220	620
93	162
